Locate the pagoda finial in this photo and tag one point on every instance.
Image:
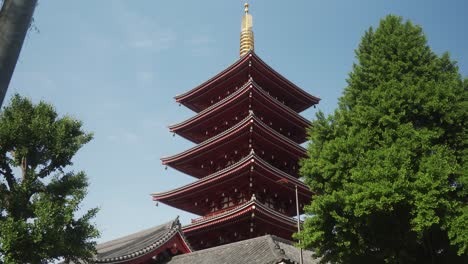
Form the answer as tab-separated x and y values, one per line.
247	36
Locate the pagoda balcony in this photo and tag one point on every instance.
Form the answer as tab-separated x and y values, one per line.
215	213
231	186
250	220
250	65
235	143
250	97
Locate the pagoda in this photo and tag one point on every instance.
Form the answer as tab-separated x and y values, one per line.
248	134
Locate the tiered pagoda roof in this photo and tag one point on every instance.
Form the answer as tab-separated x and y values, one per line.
251	168
238	223
208	93
249	134
250	96
247	130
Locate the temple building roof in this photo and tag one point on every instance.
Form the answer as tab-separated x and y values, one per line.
267	249
145	245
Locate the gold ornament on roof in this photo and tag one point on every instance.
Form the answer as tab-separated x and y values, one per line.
246	36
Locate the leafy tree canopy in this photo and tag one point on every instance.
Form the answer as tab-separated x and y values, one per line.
38	197
389	165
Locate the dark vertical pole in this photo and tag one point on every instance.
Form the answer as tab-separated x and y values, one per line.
298	223
15	18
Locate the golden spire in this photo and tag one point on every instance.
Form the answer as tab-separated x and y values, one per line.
246	36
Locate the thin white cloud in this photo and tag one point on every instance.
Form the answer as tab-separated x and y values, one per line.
153	39
200	45
145	78
143	32
152	124
41	80
125	137
200	40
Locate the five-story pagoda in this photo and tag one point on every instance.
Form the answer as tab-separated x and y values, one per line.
248	134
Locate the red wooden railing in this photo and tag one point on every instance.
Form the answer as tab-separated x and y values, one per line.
213	214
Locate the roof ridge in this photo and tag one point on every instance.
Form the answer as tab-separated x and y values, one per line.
211	139
227	169
281	105
147	243
208	109
208	177
253	203
233	65
276	248
250	84
287	81
228	131
203	251
133	235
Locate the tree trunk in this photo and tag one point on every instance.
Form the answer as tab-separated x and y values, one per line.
15	18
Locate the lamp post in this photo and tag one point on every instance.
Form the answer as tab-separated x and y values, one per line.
285	181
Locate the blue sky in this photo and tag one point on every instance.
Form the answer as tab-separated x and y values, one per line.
116	65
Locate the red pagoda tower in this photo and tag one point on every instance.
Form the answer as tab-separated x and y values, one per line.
248	133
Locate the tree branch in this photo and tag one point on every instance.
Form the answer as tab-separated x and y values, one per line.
24	168
45	171
9	177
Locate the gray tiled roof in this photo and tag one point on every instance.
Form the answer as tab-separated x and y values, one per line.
261	250
137	244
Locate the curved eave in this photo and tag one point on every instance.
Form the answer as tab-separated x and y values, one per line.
232	99
209	142
149	247
199	89
284	108
251	206
148	252
290	88
221	104
246	123
311	99
248	162
236	167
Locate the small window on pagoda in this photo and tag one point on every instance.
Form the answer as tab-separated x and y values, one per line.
241	198
270	202
213	207
260	197
282	207
227	202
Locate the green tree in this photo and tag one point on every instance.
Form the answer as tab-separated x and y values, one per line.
389	165
39	199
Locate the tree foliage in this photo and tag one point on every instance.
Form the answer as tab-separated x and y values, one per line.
38	197
389	165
